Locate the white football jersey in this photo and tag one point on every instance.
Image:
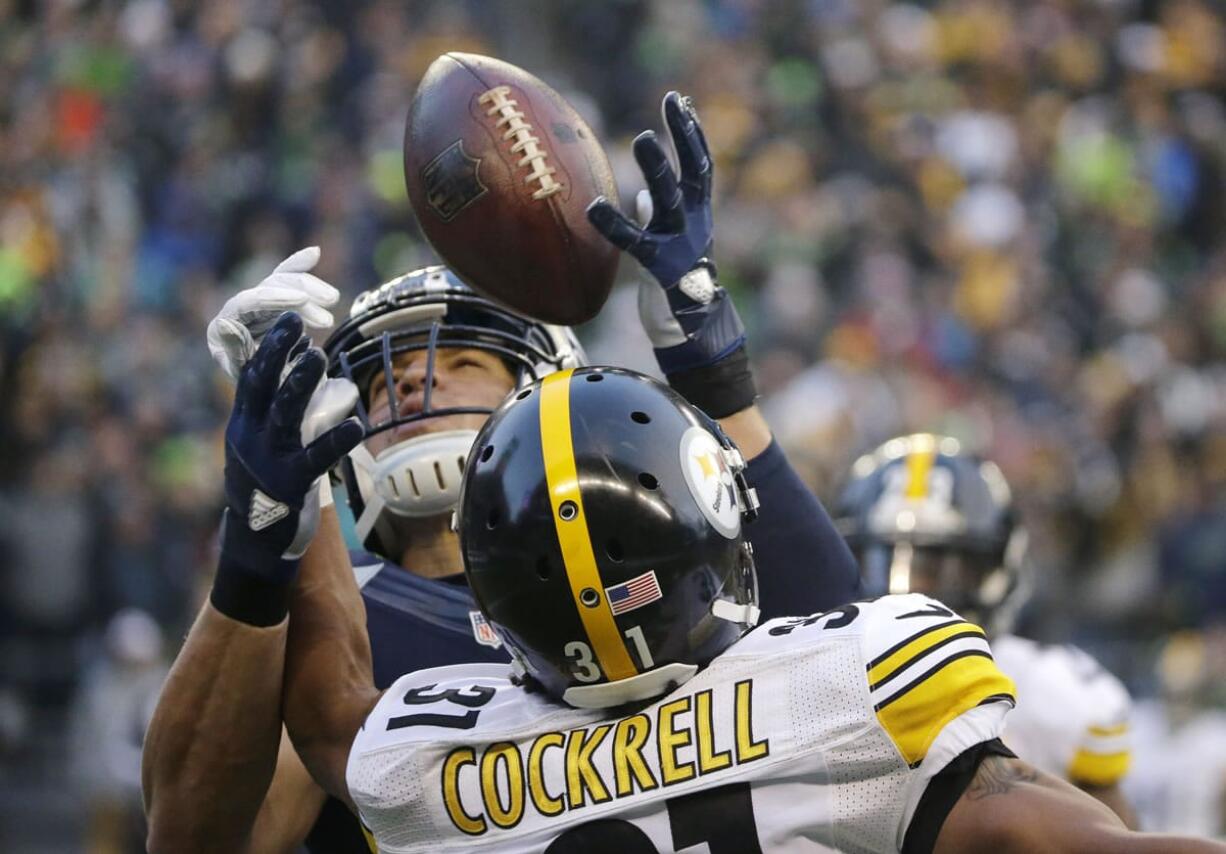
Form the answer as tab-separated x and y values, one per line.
809	734
1072	715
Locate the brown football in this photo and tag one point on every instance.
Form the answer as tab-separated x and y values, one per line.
500	171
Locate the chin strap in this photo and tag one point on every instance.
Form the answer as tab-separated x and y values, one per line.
653	683
416	478
746	614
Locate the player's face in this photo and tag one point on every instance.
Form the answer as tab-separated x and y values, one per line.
463	376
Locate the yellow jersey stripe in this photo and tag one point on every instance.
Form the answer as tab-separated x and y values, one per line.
1108	731
914	716
369	837
562	476
968	631
1098	769
895	659
919	464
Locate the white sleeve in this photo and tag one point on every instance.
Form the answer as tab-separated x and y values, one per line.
972	727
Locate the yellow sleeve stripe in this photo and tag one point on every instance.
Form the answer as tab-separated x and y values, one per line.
896	659
1108	731
370	838
1098	769
915	715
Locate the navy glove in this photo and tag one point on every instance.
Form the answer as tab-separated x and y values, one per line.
272	494
698	337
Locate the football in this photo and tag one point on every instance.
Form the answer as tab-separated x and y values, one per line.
500	170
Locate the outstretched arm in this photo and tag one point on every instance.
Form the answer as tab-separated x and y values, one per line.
212	746
803	564
1009	806
212	743
1115	800
329	686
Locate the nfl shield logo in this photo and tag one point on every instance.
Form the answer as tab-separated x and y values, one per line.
452	182
483	631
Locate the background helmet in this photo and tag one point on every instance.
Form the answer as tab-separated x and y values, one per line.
600	523
921	515
424	310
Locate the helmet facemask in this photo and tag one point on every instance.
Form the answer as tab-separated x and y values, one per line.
425	311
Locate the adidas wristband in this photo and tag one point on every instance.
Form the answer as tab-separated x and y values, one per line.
244	596
722	389
253	589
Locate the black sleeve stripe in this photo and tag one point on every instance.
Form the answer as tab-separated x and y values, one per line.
943	792
996	698
969	633
896	647
923	677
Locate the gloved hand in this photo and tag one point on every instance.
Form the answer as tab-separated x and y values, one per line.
271	478
235	332
693	326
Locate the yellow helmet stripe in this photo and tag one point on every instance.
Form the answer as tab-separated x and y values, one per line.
919	464
562	476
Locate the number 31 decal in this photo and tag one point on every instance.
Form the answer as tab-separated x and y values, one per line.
585	667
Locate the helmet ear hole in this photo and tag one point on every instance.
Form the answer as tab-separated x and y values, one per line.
525	393
613	548
639	417
543	570
487	453
648	481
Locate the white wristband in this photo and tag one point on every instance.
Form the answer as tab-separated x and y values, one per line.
325	492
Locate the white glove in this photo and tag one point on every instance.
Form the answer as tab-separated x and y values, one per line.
331	403
235	333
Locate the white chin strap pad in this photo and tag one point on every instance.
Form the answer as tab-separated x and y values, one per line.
418	477
653	683
725	609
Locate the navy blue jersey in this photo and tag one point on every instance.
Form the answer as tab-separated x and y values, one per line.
803	567
415	622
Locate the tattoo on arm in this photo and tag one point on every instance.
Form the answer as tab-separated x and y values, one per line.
997	776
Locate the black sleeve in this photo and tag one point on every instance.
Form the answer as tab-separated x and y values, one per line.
337	831
943	792
804	566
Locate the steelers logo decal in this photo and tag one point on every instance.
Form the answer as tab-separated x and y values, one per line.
710	481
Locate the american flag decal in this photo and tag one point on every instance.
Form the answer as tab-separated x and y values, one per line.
634	593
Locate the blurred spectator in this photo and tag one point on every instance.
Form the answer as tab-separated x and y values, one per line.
110	716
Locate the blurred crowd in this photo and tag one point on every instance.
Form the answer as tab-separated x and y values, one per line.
995	219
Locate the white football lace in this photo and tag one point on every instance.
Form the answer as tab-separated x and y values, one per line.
505	107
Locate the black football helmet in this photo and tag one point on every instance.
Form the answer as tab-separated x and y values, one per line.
923	516
425	310
600	523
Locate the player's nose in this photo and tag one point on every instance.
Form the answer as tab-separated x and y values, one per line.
411	377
